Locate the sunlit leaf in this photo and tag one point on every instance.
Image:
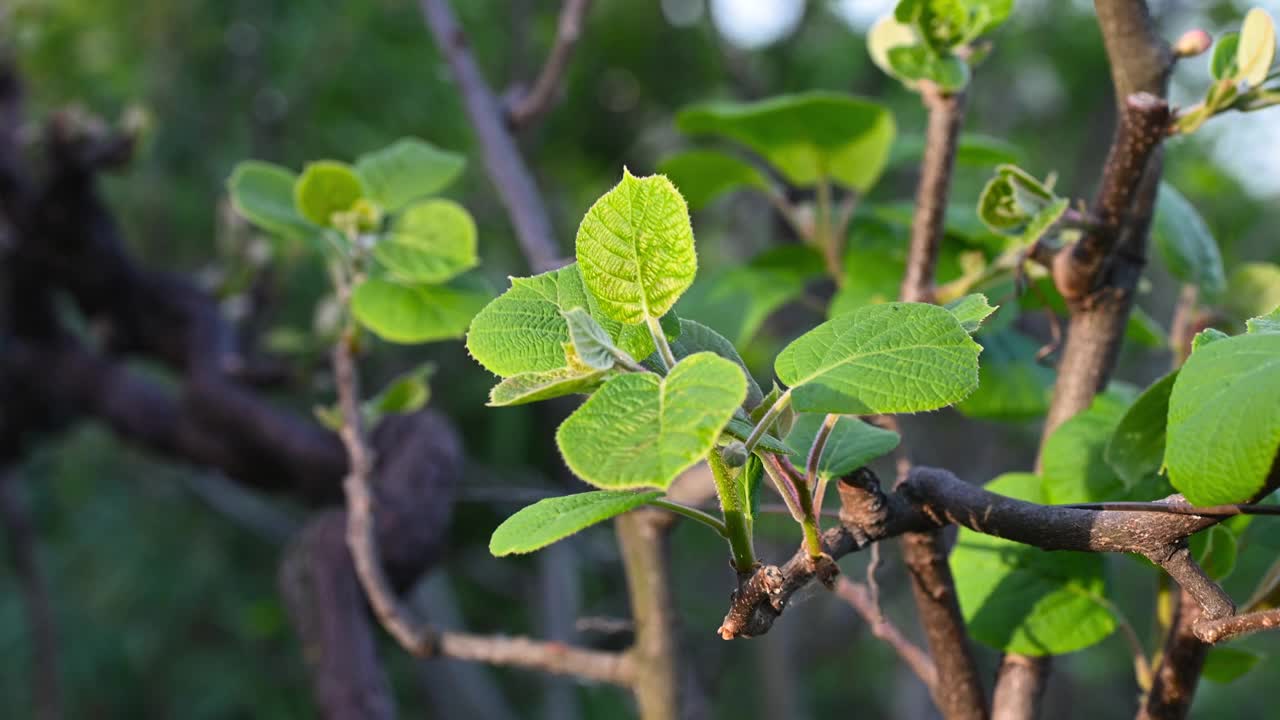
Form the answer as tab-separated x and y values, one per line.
553	519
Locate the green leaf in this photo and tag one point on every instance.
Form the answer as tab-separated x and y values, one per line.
263	194
407	170
1215	551
1223	64
888	33
1018	598
1014	201
740	429
914	63
534	386
737	302
704	175
696	337
591	341
635	249
326	187
640	430
1257	48
1224	421
1225	665
971	310
1012	385
414	313
1206	336
1269	323
1253	289
806	136
405	394
1184	243
891	358
523	330
554	519
430	242
1136	448
851	444
1073	461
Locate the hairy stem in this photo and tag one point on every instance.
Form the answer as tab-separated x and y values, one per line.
766	422
737	522
660	342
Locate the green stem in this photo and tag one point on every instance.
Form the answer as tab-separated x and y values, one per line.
823	226
693	514
737	521
766	422
816	484
660	342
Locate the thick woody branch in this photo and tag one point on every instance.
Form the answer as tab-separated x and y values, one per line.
946	118
529	106
503	162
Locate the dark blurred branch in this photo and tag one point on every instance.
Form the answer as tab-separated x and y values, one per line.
1181	662
542	95
505	165
42	627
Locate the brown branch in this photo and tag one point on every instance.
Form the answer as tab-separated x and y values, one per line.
643	538
42	627
946	117
1175	679
1229	628
859	597
541	96
505	165
549	657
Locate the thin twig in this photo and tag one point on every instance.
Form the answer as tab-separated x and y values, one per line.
541	96
860	598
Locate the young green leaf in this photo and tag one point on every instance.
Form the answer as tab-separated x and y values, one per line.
1225	665
591	341
1018	598
326	187
1257	48
1013	201
1136	448
891	358
1206	336
1224	421
554	519
1269	323
523	330
807	137
431	242
263	194
635	249
640	430
888	33
1184	243
971	310
407	393
851	444
704	175
1223	64
543	385
1073	462
913	63
406	170
414	313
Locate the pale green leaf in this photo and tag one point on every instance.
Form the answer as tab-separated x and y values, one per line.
914	63
405	394
696	337
888	33
1184	243
1269	323
1225	665
806	136
1224	420
430	242
324	188
890	358
1043	221
1257	48
1014	200
1073	461
1012	385
704	175
1223	64
415	313
543	385
1136	448
263	194
1022	599
1143	330
635	249
641	430
851	445
1206	336
553	519
523	331
407	170
971	310
591	341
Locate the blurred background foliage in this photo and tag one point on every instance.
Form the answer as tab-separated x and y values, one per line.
163	576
